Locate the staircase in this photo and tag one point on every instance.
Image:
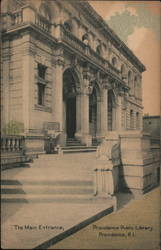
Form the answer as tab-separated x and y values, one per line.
75	146
50	178
28	191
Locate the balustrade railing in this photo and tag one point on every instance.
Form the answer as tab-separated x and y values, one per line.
36	18
12	144
17	17
42	22
72	40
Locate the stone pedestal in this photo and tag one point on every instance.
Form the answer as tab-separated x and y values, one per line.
138	162
107	172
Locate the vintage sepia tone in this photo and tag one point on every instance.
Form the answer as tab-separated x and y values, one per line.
80	130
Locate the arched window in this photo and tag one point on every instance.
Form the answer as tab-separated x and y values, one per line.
85	38
68	26
129	78
135	86
123	73
45	11
114	61
137	120
99	49
131	119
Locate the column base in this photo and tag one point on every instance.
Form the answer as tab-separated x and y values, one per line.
62	139
87	140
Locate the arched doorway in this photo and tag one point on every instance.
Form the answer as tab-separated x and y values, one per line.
93	113
69	99
111	111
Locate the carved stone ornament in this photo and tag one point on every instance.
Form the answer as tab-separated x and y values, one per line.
87	75
87	90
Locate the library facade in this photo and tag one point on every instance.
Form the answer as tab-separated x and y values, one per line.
66	74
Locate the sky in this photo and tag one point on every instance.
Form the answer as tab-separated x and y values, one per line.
137	23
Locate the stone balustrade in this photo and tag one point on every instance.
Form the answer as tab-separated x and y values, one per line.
12	144
43	23
17	17
72	40
28	14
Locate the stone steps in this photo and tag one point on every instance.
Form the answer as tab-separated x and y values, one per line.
45	191
78	149
75	146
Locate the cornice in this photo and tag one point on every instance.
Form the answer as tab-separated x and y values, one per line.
29	27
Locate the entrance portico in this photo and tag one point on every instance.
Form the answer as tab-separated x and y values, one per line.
89	108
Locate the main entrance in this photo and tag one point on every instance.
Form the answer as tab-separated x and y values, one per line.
69	98
93	113
71	117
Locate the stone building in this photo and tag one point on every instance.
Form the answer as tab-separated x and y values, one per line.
64	70
152	125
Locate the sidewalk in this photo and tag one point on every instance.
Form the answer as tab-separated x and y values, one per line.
136	226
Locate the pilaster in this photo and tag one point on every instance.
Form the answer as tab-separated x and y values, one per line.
27	80
5	83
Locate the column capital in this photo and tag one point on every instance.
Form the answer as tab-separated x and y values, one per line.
87	75
87	90
106	84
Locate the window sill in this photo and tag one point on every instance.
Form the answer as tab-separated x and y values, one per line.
43	108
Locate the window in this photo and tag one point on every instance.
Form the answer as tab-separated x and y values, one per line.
137	120
41	93
129	77
41	71
99	50
131	119
135	86
68	26
45	11
114	61
123	74
41	84
85	38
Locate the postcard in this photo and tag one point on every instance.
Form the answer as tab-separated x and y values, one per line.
80	130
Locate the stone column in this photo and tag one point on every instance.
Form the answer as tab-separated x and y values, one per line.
58	97
78	113
104	111
119	113
86	137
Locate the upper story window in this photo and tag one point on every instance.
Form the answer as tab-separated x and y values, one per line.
114	61
41	85
99	49
123	72
135	85
129	77
41	71
85	38
68	26
45	11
